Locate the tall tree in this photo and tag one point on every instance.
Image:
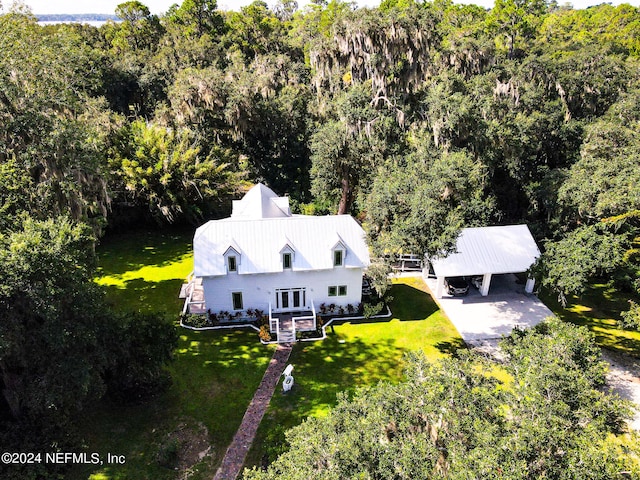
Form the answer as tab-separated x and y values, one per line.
347	148
52	321
420	204
166	172
454	420
51	128
516	20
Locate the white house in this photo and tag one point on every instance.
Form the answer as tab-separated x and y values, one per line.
264	257
487	251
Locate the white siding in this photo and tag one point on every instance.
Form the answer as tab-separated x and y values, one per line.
260	289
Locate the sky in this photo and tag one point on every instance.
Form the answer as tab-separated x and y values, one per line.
161	6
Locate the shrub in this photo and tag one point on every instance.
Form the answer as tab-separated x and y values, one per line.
195	320
630	320
168	453
369	310
264	333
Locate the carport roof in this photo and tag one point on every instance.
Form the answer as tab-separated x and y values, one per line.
495	250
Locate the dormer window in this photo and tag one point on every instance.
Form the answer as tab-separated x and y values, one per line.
287	254
232	259
338	251
232	266
338	258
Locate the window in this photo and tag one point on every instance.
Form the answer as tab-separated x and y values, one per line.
236	298
231	263
286	260
296	298
337	258
340	290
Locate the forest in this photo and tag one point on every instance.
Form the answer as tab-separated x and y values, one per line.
418	118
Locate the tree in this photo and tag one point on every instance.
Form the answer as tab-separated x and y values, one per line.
199	17
567	265
142	345
52	319
420	205
515	20
606	180
347	148
164	170
453	419
138	29
51	128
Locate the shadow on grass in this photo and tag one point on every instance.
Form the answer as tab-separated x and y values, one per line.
214	376
121	253
598	309
410	303
321	371
451	347
146	296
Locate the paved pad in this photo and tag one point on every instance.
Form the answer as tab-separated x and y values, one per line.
507	306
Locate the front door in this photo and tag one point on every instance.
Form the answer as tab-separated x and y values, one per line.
291	298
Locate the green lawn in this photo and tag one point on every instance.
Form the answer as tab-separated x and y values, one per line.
354	355
143	271
598	309
214	373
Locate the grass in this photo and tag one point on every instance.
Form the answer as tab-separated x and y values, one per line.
143	271
599	309
214	374
355	355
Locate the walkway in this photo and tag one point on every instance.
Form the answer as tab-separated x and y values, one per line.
237	452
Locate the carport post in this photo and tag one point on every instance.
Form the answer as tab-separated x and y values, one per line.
439	286
486	281
529	285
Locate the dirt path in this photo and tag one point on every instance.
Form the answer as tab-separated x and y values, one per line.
237	452
624	379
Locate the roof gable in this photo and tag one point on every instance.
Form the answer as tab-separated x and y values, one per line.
495	250
260	202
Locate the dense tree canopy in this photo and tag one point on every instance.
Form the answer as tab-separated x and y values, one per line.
418	118
455	420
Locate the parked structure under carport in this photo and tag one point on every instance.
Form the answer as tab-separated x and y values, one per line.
487	251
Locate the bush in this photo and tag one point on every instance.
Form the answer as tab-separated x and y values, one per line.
195	321
630	320
369	310
264	333
143	345
168	453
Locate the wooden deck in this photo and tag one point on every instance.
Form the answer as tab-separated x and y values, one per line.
286	321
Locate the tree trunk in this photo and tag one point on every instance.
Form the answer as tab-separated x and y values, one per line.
346	199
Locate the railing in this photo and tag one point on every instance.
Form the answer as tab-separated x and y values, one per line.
274	323
187	301
192	281
401	261
306	317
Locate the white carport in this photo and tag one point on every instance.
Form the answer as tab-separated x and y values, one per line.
488	251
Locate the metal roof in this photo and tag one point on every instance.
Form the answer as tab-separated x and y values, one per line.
261	226
495	250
